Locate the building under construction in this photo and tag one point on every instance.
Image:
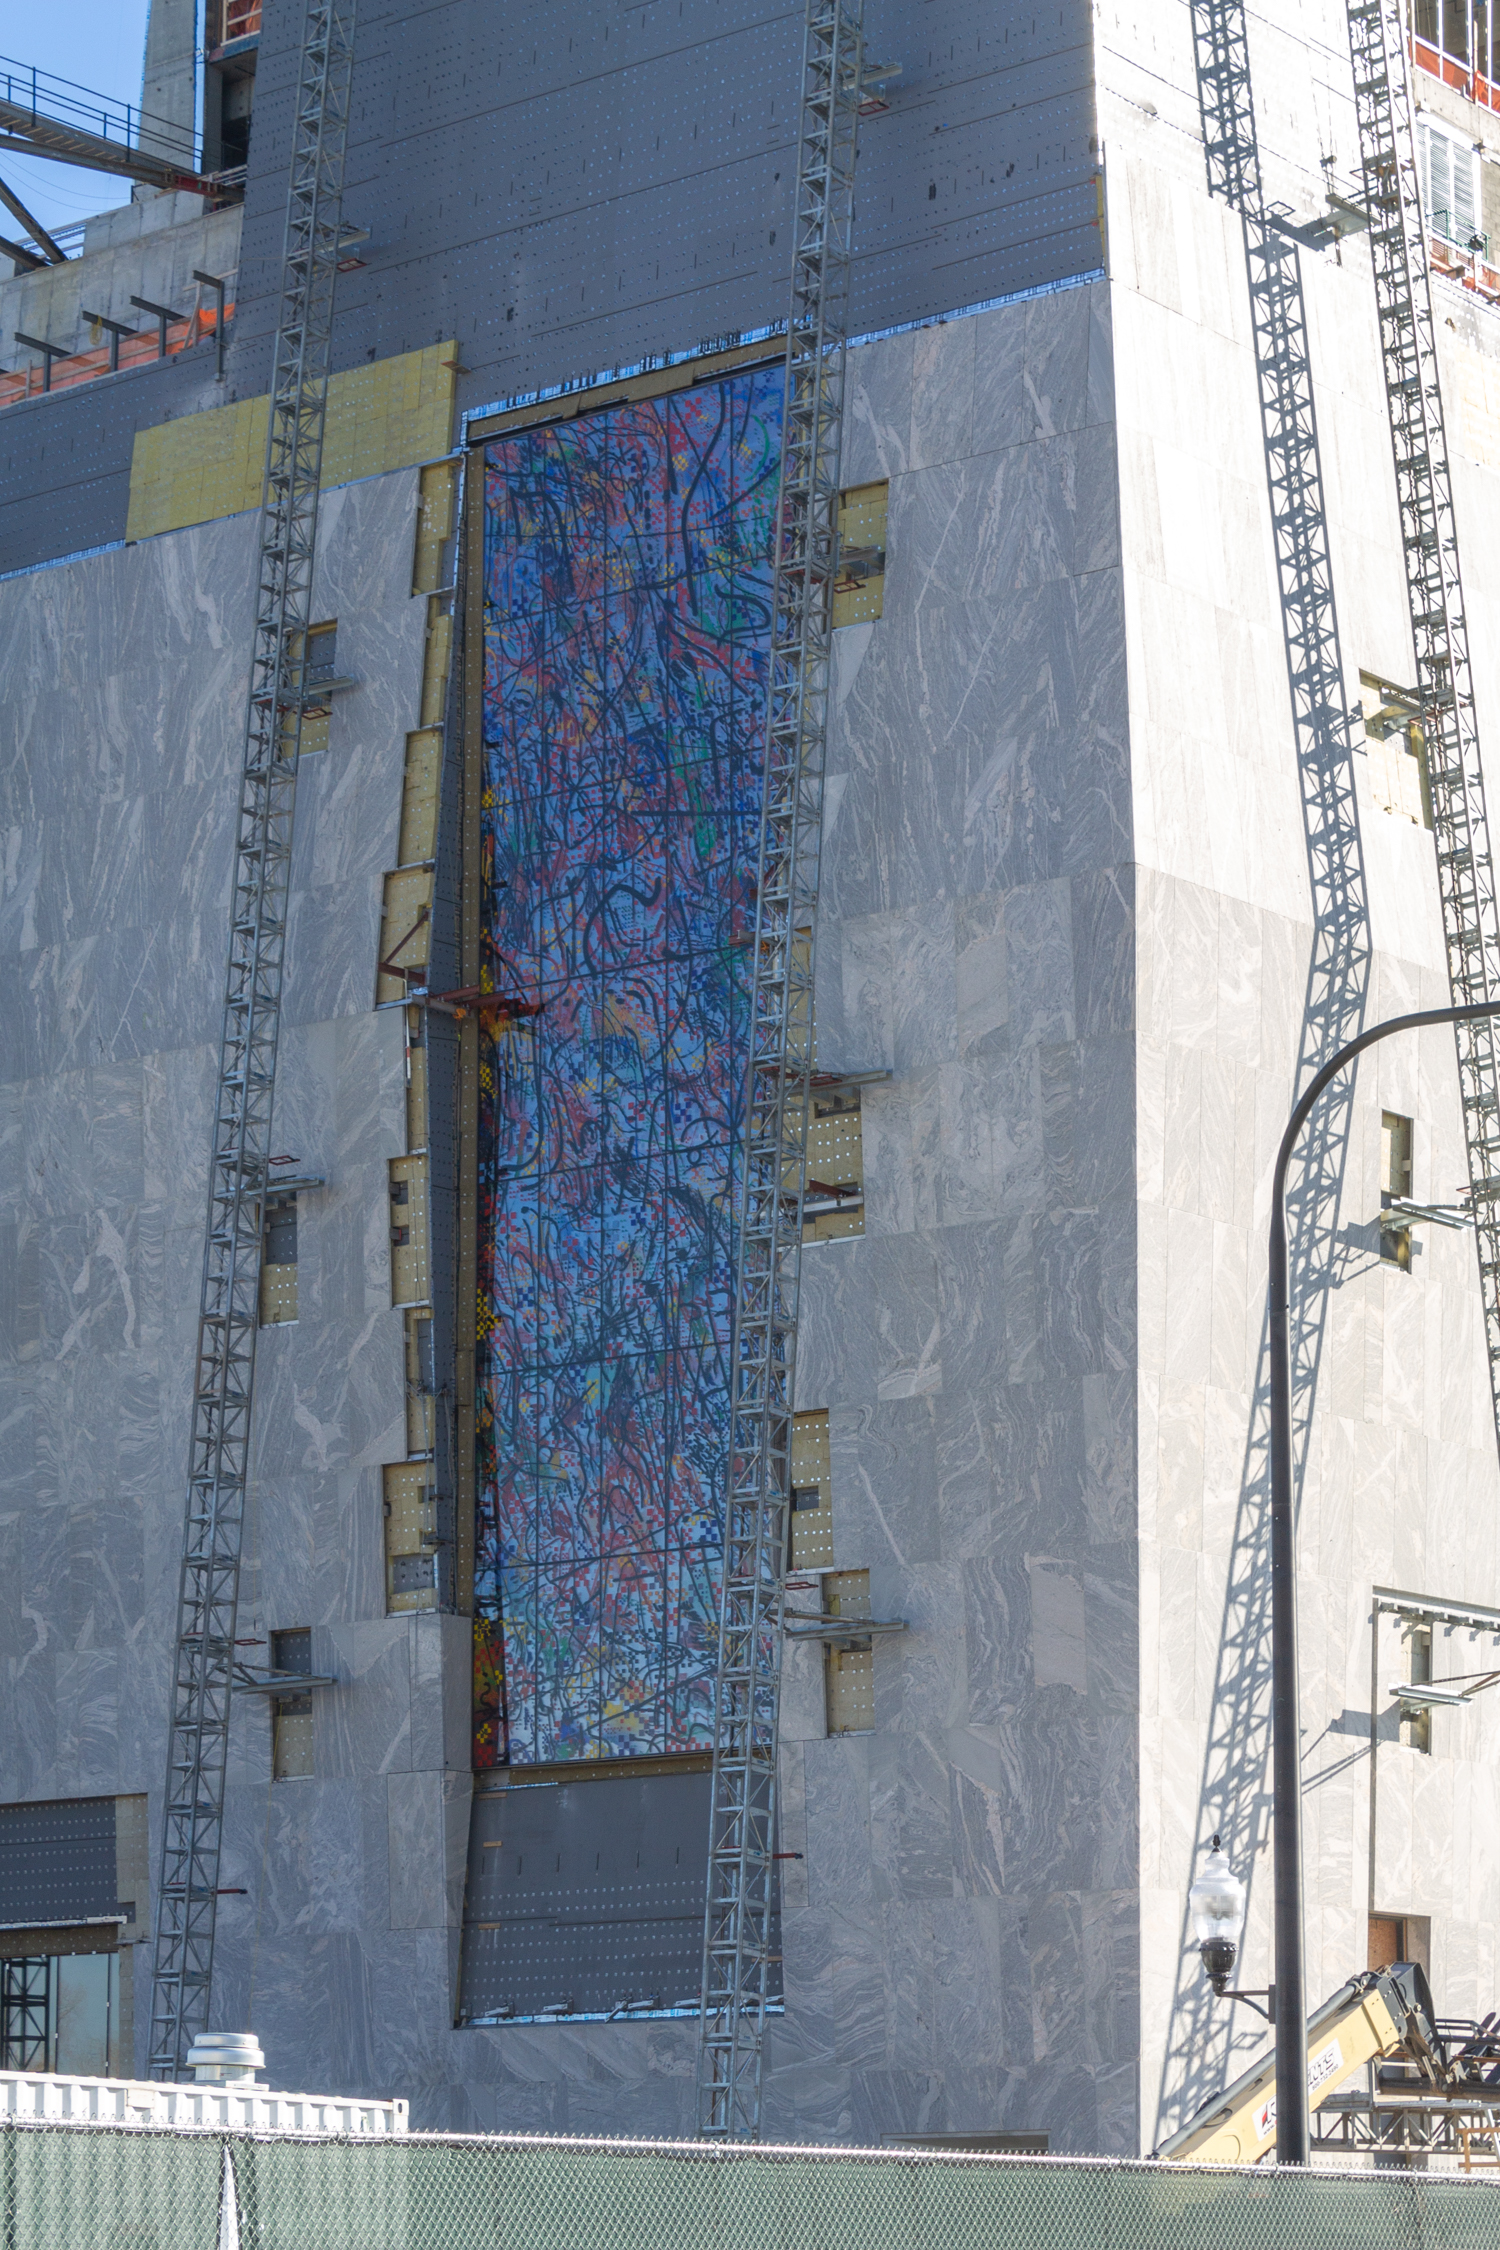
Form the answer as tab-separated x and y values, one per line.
805	659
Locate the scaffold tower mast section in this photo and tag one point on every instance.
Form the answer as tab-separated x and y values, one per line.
223	1388
1440	632
740	1941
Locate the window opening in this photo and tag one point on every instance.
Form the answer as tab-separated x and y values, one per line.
1448	167
60	2012
850	1671
418	1538
410	1283
278	1266
811	1544
1395	1185
1416	1724
859	589
291	1715
1399	1937
1395	751
833	1202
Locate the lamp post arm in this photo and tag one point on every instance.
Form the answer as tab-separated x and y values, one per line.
1292	2127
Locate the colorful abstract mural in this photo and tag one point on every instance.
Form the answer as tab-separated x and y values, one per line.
626	631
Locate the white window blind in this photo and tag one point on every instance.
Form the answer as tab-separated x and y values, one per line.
1450	189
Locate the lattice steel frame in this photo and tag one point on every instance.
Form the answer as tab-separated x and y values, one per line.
1440	632
739	1938
193	1818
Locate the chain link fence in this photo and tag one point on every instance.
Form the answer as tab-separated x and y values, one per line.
67	2187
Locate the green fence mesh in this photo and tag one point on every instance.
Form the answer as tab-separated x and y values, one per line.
65	2187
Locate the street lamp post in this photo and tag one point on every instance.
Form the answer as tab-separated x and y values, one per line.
1286	1775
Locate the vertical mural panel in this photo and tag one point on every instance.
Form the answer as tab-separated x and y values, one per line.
626	631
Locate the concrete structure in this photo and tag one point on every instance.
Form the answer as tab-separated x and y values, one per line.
1066	906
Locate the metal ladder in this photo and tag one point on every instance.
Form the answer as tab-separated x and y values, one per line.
223	1389
1429	546
740	1926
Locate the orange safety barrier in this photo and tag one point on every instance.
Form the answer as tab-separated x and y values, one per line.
1471	83
241	17
86	367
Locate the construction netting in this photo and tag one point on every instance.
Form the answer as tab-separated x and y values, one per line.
68	2187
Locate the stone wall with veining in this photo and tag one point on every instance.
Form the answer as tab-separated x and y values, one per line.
125	679
1401	1479
960	1937
961	1934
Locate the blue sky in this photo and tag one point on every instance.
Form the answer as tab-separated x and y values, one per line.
100	44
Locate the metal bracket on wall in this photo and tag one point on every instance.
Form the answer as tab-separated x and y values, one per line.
279	1683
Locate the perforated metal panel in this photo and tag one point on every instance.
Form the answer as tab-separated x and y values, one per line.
57	1861
586	1896
565	186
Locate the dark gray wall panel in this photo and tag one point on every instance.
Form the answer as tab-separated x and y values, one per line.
586	1894
65	459
572	185
57	1861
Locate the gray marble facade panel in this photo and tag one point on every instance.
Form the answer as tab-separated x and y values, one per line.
837	1784
1065	336
91	874
144	992
883	1466
1101	922
901	1129
1003	412
978	1832
841	1361
1054	1755
87	1686
364	1725
187	858
22	853
331	951
981	530
992	1133
942	393
862	1956
347	1573
911	1834
878	411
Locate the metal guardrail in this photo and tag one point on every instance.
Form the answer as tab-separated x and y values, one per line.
48	99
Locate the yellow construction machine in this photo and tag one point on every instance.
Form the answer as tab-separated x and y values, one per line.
1431	2084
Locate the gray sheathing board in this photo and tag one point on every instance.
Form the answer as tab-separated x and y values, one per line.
65	459
570	188
586	1896
57	1862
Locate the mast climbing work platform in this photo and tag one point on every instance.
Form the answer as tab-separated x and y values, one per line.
204	1669
740	1945
1440	632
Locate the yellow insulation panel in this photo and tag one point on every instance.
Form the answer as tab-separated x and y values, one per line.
391	414
410	1582
435	508
411	1275
405	932
812	1493
419	796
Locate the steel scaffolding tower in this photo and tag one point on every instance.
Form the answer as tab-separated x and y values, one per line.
193	1818
740	1941
1429	544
